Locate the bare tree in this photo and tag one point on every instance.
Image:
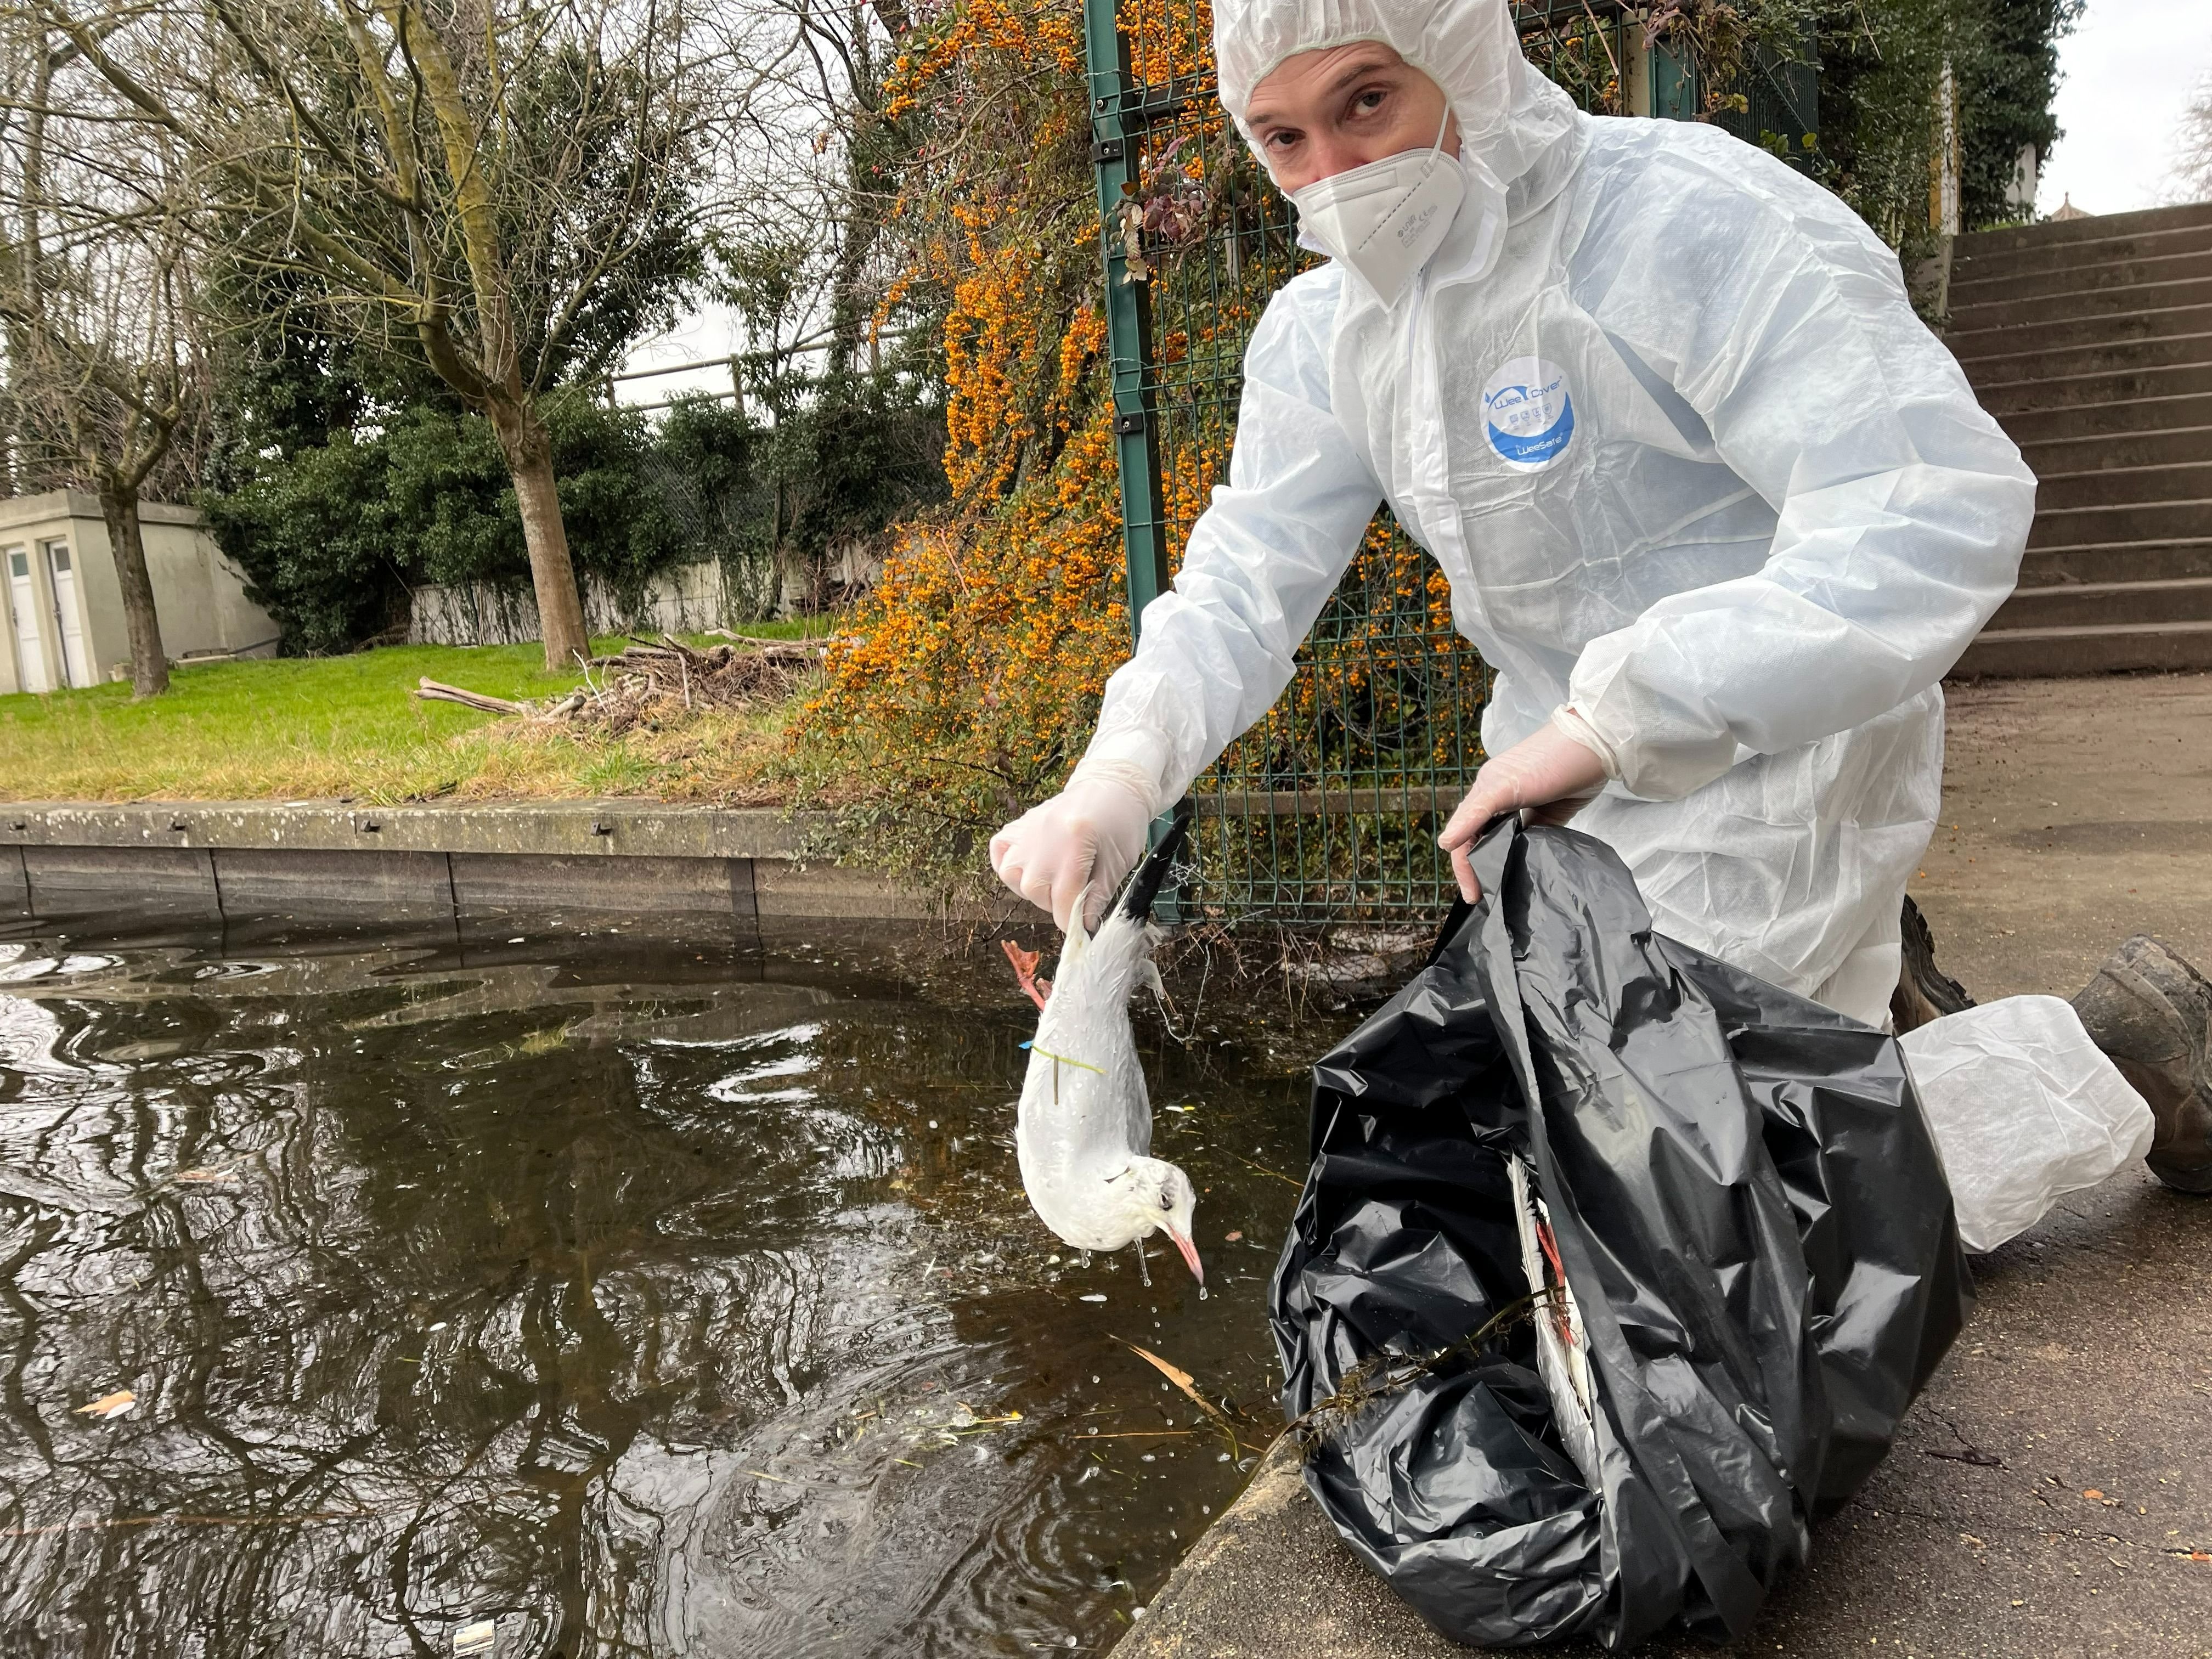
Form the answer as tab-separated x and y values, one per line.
2191	178
103	351
511	187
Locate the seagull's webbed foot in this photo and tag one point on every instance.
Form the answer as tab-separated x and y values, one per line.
1025	967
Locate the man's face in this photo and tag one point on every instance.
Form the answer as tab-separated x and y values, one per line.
1325	112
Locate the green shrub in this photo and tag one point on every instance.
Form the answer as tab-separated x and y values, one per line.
318	541
332	536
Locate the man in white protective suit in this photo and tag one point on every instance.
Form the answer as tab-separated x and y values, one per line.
1716	504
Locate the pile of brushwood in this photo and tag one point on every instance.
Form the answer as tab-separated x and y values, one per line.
653	680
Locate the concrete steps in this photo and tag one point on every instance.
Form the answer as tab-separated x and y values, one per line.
2124	486
2042	326
2114	357
2110	389
2096	227
2133	451
2074	256
2098	604
2092	562
2120	413
2041	653
2138	521
2091	342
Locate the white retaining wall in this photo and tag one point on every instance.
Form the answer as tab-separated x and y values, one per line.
688	599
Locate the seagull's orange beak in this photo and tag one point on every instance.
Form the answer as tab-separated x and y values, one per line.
1189	1253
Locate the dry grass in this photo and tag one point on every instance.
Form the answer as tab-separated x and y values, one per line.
350	727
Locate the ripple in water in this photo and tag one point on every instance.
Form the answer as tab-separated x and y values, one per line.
640	1304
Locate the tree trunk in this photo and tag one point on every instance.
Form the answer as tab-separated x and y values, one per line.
149	661
529	451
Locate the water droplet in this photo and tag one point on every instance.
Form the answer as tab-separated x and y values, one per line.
1201	1293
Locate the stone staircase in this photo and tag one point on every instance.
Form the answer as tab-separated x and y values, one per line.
2091	340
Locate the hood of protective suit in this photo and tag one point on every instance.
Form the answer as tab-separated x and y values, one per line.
1510	118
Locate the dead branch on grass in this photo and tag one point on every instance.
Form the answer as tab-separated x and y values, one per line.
650	679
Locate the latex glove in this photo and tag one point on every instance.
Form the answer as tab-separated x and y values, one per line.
1548	777
1076	847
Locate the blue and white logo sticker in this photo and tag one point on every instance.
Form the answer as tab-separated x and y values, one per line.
1528	415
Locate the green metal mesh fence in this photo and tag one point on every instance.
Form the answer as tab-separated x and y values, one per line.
1329	809
1781	107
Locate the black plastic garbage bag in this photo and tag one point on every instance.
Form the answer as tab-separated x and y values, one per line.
1755	1238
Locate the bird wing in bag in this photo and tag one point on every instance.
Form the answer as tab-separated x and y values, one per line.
1615	1270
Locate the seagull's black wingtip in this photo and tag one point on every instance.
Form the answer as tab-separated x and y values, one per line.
1145	886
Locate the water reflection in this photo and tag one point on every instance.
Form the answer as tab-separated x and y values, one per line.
642	1305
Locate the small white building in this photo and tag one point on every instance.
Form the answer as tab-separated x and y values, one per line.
62	608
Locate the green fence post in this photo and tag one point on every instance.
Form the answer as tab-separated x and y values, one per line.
1128	316
1674	84
1114	153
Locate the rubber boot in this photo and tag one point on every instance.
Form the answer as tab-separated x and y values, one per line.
1924	992
2151	1013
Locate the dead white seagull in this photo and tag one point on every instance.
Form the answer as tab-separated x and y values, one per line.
1084	1131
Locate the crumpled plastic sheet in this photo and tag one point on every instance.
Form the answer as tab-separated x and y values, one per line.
1752	1218
2025	1109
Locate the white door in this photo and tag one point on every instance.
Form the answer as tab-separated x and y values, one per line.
23	606
68	623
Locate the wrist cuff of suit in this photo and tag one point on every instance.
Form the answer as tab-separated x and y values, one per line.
1568	720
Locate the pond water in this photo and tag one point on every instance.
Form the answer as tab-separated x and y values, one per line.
667	1300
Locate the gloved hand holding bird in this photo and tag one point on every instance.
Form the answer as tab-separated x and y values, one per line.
1084	1131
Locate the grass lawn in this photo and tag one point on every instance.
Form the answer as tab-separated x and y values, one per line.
348	727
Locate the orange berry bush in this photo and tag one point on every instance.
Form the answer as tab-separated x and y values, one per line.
969	681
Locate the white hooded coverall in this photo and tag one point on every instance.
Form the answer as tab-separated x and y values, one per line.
1694	469
1744	514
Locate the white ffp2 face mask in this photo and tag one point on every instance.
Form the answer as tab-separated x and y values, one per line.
1386	219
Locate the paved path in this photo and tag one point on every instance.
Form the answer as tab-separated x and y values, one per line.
2048	1494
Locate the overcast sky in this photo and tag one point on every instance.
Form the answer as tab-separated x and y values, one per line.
2125	73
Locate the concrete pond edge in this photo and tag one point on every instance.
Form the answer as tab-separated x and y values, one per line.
231	859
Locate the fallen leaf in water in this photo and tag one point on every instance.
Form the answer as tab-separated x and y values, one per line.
1175	1373
1233	1238
2092	1492
475	1639
110	1405
200	1175
1183	1380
